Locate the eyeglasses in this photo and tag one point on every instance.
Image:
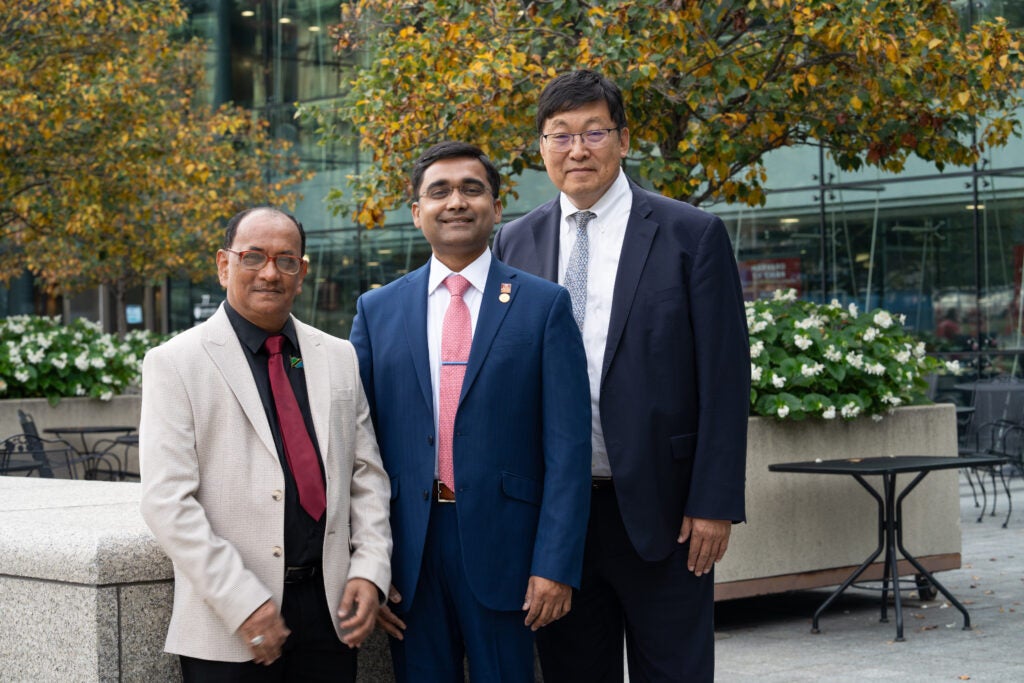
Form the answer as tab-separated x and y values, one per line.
255	260
467	190
562	142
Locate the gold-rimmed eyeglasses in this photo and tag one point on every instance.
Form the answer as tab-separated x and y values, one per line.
255	260
562	142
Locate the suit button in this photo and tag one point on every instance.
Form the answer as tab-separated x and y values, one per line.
276	552
426	495
430	440
277	495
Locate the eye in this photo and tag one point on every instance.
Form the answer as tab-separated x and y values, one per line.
595	135
253	259
472	190
439	192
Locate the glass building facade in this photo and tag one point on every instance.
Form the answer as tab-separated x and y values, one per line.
944	249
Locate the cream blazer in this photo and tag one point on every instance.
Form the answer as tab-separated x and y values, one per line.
212	484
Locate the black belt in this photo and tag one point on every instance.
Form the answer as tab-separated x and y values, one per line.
601	483
300	574
443	494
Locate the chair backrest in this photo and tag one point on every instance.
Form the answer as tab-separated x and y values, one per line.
28	425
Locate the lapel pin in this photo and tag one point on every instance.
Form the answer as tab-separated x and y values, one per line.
506	292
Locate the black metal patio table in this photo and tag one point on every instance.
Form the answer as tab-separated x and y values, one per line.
890	517
89	455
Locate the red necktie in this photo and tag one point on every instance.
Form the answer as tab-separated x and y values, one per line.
456	339
298	447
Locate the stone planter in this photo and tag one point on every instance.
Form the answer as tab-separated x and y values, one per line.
807	531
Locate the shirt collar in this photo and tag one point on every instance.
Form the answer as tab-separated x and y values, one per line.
253	336
614	194
475	272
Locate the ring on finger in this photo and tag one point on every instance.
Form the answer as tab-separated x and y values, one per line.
257	640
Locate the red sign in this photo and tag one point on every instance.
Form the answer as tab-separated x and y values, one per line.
761	277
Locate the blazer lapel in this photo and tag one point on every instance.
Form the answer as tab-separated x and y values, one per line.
636	246
492	313
221	343
318	383
412	304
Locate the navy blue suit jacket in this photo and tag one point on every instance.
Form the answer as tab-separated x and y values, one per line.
522	432
675	382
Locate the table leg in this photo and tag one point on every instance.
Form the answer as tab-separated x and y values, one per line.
917	565
892	564
860	570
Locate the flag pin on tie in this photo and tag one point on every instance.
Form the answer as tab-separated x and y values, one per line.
506	292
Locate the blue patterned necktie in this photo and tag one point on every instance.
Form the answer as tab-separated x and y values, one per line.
576	271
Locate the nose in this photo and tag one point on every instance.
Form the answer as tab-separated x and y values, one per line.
269	271
456	199
577	149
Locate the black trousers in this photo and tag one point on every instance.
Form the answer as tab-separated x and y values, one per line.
665	613
312	652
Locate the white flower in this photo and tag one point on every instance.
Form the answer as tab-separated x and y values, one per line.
802	341
809	322
778	382
98	363
919	350
850	410
768	317
855	359
783	411
811	370
21	375
832	354
953	367
829	413
35	357
79	390
875	369
883	320
756	348
106	395
758	327
853	310
82	361
835	304
15	359
755	373
876	418
870	334
784	295
903	357
902	318
60	362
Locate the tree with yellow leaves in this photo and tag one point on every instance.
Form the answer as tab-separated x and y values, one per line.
710	87
111	171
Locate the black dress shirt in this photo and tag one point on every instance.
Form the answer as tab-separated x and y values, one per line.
303	536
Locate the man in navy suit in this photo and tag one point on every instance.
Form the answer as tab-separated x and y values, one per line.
656	290
488	547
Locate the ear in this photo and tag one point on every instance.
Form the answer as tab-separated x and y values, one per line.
624	142
222	268
301	275
497	211
416	216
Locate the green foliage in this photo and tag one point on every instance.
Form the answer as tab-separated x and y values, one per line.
41	358
827	361
710	87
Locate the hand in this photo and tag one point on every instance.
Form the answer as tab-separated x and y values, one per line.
358	611
265	623
387	621
546	601
709	539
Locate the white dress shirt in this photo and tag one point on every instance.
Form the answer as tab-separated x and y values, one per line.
605	233
437	305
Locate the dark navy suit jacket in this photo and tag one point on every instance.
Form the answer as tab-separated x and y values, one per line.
675	383
522	432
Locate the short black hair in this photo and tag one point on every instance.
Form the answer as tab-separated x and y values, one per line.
451	149
232	229
574	89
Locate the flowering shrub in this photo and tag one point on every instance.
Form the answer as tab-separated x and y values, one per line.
41	358
829	361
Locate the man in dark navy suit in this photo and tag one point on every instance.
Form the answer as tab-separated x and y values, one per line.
657	296
489	517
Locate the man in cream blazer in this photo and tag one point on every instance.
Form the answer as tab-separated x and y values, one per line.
220	496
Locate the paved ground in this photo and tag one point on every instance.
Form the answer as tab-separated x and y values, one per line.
769	638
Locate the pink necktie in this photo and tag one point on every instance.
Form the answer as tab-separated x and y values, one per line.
456	338
298	447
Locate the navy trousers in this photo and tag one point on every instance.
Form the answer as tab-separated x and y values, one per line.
665	613
447	624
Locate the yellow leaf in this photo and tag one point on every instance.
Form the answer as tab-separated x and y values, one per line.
964	97
934	43
856	103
